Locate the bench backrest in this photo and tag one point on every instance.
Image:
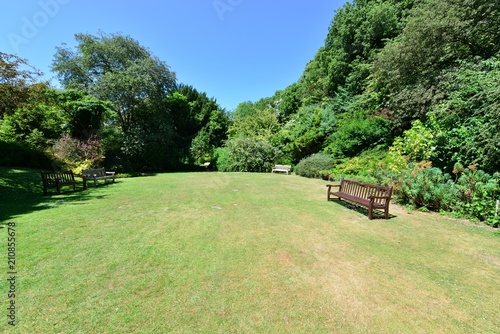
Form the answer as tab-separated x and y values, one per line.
365	190
94	171
286	167
49	177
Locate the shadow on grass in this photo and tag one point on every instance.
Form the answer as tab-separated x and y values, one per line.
21	192
377	214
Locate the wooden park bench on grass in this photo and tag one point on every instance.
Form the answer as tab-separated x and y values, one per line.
97	174
56	180
368	195
282	168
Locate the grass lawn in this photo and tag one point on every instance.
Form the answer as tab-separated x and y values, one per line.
238	253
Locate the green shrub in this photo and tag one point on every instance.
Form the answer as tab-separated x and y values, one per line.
357	132
424	186
247	155
416	143
220	160
314	165
478	192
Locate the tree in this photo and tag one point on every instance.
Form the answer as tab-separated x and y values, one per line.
85	113
117	68
357	33
37	125
437	37
19	83
200	123
260	124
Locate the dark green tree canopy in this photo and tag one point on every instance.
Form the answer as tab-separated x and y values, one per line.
115	68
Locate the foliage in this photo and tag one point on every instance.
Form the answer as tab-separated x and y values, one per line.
85	114
466	121
115	68
313	165
220	160
422	185
356	133
247	155
78	155
302	135
471	194
118	69
478	192
417	143
18	83
150	146
211	136
259	125
358	31
38	125
200	124
437	36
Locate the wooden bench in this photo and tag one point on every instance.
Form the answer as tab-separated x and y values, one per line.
97	174
368	195
56	180
282	168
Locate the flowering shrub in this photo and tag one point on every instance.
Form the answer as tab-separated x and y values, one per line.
78	155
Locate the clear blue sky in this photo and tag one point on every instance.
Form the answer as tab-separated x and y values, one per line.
234	50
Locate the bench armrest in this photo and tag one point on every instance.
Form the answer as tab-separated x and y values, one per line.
110	173
333	185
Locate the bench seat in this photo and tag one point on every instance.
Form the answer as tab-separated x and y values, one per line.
96	174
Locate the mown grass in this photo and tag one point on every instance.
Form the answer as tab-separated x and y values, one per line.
240	253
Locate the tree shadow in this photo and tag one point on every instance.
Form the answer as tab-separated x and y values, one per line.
377	214
21	192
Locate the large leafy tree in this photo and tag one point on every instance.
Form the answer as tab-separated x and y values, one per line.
200	123
358	31
117	68
19	83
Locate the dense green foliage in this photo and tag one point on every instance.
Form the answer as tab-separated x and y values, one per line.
313	166
118	99
246	155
